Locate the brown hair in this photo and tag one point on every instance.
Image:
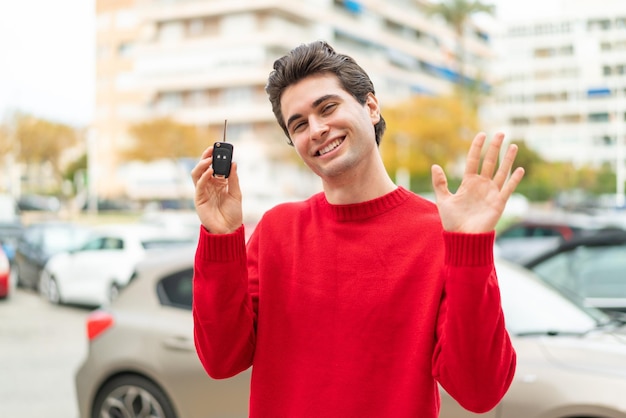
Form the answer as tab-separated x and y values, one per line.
315	58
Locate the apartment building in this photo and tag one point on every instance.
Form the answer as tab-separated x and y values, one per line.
204	61
561	83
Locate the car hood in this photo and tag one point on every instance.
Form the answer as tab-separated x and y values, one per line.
598	352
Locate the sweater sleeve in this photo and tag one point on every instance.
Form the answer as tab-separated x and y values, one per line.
474	360
223	314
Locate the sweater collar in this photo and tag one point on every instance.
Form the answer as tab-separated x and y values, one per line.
364	210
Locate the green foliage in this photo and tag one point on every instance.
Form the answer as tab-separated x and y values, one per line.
424	131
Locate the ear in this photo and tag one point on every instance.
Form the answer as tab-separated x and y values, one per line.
371	102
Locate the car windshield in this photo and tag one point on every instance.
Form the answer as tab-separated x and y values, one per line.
58	239
533	307
587	272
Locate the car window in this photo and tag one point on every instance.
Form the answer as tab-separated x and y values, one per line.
62	239
176	290
541	231
513	232
113	244
590	272
149	244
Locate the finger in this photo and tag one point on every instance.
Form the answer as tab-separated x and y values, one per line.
473	156
510	186
207	153
203	164
491	157
505	166
440	182
233	182
200	169
204	178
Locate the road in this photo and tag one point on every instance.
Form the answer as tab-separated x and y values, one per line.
41	346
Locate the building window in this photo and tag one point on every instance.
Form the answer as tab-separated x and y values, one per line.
599	117
545	120
544	52
125	49
195	27
237	95
171	31
598	24
571	118
169	101
520	121
197	98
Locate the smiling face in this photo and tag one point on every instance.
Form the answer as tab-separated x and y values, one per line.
331	131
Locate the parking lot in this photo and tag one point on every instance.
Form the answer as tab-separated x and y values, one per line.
41	346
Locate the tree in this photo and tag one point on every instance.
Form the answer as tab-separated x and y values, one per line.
164	138
457	13
40	143
425	130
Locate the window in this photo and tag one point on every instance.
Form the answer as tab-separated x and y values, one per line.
171	31
176	290
589	272
599	117
195	27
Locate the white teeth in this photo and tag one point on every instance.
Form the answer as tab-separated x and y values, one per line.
330	147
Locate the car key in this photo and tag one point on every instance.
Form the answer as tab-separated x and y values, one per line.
222	157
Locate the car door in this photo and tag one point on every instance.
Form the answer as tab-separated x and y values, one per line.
28	255
97	264
184	377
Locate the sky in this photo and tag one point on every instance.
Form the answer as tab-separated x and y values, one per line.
47	51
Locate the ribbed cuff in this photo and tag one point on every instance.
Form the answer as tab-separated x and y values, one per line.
221	247
469	249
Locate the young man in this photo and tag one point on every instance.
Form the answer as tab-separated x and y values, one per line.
357	301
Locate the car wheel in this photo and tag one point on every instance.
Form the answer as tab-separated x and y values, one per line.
132	397
13	278
18	276
114	292
54	296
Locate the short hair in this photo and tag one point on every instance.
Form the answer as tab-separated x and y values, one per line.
318	58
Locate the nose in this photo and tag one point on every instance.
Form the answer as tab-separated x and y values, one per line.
318	128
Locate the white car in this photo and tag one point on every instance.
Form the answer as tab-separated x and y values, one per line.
94	274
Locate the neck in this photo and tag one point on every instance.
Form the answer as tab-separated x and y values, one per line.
352	188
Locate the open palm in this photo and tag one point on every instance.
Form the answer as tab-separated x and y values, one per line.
479	201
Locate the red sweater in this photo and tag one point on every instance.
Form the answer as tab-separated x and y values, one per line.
353	311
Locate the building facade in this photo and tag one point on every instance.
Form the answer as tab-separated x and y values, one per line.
561	83
204	61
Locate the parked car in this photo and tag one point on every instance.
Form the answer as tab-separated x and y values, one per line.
571	359
95	273
525	239
590	269
10	225
142	356
38	242
5	275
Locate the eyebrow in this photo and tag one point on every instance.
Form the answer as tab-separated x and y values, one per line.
315	103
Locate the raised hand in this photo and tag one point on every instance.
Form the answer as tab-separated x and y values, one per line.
479	202
217	199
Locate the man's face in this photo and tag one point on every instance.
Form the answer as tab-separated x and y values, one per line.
331	131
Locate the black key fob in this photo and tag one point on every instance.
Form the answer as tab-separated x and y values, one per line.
222	158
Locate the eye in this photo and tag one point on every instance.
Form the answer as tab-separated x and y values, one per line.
298	126
329	108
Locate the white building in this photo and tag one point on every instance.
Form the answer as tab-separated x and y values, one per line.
562	82
204	61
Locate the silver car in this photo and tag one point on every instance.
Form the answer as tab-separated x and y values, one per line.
141	360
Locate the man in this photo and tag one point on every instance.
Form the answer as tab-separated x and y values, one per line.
357	301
